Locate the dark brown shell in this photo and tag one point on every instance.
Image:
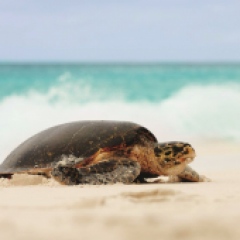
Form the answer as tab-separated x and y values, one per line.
81	139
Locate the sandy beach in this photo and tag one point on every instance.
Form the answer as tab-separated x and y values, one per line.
83	82
39	208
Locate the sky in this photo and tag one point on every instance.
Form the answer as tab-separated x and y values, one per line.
120	31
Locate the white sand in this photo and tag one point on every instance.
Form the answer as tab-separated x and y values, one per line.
35	208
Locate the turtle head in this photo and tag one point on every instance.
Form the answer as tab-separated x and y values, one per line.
173	156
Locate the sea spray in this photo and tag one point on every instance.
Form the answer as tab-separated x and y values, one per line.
195	111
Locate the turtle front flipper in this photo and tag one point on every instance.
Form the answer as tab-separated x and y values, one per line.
105	172
189	175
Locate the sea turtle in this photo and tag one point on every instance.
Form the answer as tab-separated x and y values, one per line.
100	152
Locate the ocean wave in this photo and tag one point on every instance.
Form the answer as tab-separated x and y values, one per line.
210	111
200	112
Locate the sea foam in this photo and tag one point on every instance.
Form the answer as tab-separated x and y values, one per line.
199	112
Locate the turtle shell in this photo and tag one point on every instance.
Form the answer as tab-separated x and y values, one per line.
81	139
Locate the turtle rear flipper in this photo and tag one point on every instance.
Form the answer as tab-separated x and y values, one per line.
105	172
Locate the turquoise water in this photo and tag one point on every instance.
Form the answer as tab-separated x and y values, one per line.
175	101
130	82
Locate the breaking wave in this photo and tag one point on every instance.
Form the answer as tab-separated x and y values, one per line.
199	112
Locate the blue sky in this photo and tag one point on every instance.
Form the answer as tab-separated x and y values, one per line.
122	30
